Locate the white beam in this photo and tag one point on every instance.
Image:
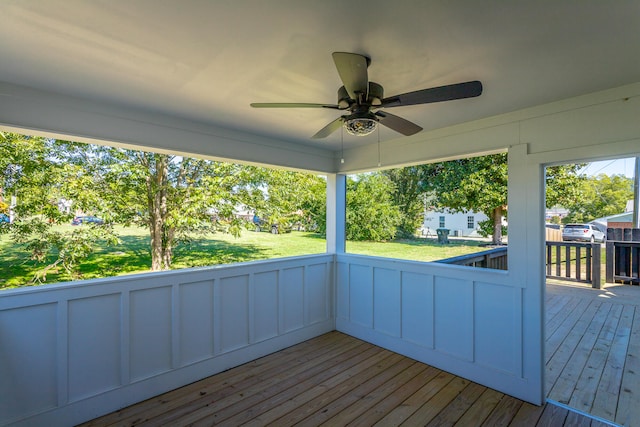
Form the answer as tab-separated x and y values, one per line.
336	213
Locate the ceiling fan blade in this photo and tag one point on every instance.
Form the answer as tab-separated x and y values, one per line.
291	105
352	69
398	124
328	129
435	94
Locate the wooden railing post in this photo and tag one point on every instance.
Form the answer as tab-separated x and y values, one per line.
610	262
595	266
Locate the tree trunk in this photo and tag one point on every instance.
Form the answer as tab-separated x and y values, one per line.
161	236
496	215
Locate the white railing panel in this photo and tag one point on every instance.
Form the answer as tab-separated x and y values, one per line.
195	321
27	358
453	317
72	352
94	345
150	332
464	320
387	306
292	298
494	305
316	294
232	307
417	308
265	305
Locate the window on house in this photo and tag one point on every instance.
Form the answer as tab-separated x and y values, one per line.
441	222
471	222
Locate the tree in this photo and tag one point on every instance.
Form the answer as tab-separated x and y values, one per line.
31	173
408	195
177	198
600	196
293	197
480	184
371	213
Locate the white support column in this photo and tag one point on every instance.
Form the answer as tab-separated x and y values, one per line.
526	200
336	213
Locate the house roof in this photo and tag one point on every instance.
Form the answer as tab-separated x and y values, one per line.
202	63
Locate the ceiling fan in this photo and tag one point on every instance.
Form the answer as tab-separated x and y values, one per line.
363	100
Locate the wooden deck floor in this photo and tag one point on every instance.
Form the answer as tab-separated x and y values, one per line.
592	350
338	380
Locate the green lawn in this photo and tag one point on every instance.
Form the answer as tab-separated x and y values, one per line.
132	254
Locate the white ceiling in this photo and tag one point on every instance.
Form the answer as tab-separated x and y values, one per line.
207	60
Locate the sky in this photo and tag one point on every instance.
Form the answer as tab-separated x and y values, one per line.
611	167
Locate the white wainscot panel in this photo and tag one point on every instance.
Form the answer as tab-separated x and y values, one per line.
498	319
417	308
233	309
454	317
386	300
28	379
342	291
94	345
361	295
292	298
265	305
196	321
316	297
150	332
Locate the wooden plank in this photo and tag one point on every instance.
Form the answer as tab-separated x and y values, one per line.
528	415
553	415
394	399
369	396
359	373
585	390
245	390
430	409
606	400
481	408
270	364
416	400
554	304
326	413
576	419
575	338
244	404
454	411
558	318
555	337
628	408
504	412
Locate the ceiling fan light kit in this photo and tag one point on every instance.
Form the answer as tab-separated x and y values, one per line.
360	126
363	100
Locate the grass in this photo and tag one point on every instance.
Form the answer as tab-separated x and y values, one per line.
132	254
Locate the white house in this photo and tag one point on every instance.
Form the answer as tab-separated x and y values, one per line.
459	224
560	85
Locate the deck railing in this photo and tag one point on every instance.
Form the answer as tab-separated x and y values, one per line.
623	255
492	258
578	262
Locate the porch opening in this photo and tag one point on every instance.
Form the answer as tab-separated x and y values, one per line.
592	323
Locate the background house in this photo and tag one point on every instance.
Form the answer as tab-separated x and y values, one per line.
459	224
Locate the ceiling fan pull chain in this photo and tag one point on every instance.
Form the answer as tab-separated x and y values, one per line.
379	163
342	143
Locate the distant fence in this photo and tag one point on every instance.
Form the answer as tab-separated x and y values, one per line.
623	255
553	235
578	262
492	258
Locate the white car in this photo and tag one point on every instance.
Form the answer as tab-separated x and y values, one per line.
582	233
